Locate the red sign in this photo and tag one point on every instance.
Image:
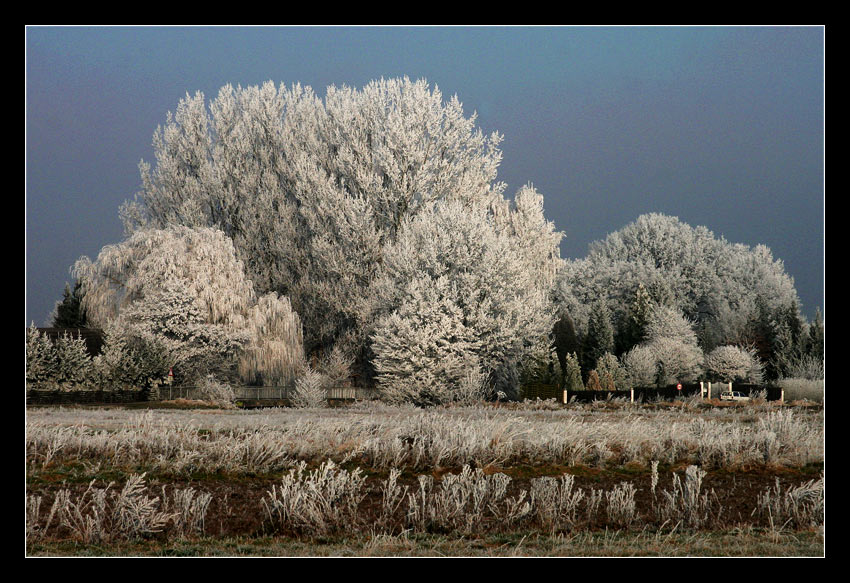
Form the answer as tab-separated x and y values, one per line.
679	386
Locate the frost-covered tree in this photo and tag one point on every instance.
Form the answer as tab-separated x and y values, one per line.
641	365
713	282
673	342
41	363
455	293
612	374
313	191
126	362
183	292
633	326
60	363
274	354
733	364
565	339
815	345
572	373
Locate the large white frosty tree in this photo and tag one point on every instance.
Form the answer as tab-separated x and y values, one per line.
459	294
314	191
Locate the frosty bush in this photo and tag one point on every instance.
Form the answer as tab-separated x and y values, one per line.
218	393
473	388
733	364
310	390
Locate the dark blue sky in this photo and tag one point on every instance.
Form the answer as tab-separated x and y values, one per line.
719	126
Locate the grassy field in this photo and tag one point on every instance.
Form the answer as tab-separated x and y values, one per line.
689	478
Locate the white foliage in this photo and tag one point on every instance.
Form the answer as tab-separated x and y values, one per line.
64	363
183	294
713	282
640	363
670	349
314	191
733	364
41	363
310	390
275	353
456	293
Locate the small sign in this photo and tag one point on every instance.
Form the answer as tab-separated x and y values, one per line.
679	387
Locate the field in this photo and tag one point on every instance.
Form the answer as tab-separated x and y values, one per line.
685	478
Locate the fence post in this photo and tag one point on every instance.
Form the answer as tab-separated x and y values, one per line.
565	396
701	390
632	391
782	396
709	390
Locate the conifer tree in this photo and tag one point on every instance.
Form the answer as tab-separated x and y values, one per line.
815	346
69	312
599	338
572	373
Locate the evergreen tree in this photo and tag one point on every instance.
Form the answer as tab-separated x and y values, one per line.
599	338
593	383
815	344
572	373
565	339
69	313
633	328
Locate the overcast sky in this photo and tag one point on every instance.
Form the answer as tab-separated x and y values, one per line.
719	126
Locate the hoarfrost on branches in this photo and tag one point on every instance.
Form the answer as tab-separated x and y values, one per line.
456	294
313	191
181	293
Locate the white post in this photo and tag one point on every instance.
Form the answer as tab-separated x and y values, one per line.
730	386
633	394
709	390
565	396
782	396
701	390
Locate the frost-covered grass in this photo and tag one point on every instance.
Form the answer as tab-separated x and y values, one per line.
800	389
381	437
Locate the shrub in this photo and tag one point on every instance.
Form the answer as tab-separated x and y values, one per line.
798	389
733	364
209	389
310	390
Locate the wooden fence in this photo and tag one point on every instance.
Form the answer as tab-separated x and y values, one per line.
269	393
283	394
671	392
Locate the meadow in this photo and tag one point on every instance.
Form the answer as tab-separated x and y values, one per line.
683	478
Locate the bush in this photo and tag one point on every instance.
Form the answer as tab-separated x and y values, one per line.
209	389
310	390
799	389
733	364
